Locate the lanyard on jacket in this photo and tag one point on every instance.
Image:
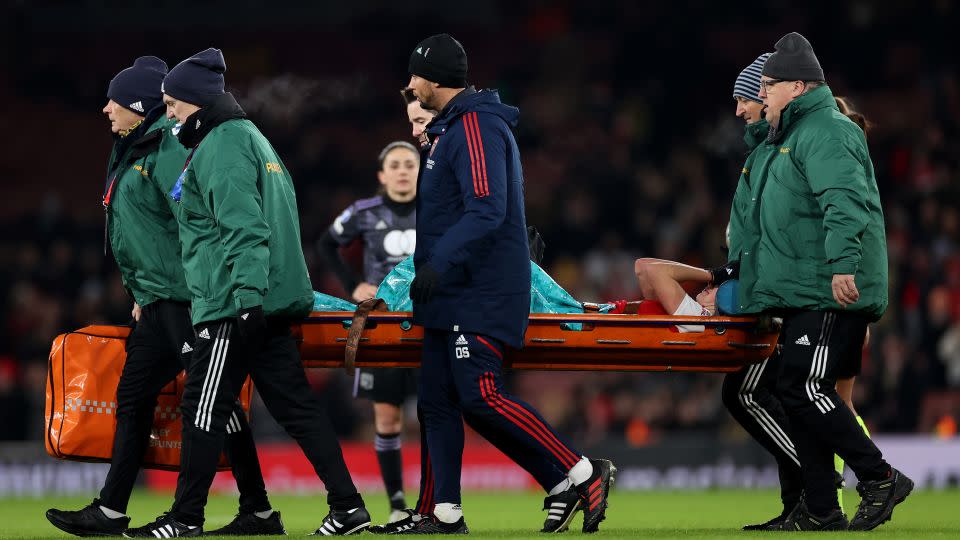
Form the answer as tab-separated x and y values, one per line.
107	195
106	213
177	190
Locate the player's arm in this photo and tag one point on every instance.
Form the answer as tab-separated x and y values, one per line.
661	280
479	162
345	229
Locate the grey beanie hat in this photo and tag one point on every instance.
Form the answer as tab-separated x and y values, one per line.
794	60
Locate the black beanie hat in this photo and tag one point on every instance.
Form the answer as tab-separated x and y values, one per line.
137	88
793	60
198	79
440	59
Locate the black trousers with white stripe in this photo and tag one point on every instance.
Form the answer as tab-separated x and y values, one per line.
221	362
155	355
750	396
816	346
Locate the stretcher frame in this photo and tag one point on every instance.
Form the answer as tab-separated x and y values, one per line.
604	343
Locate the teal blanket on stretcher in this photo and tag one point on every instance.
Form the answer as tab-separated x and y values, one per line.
546	296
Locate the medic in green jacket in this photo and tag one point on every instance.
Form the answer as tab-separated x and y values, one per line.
807	209
239	225
141	228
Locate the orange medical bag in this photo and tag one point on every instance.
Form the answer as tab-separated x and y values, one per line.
82	376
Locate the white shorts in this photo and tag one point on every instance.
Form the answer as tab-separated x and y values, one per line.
690	307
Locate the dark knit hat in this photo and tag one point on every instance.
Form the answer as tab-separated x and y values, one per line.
793	60
137	88
440	59
198	79
747	84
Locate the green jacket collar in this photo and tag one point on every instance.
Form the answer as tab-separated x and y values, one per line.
816	99
755	133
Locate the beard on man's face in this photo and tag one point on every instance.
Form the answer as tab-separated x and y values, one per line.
426	100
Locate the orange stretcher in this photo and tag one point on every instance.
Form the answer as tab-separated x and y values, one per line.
590	341
85	365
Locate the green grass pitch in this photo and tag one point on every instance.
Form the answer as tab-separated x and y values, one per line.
661	514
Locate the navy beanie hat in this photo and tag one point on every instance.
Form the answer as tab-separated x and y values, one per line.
747	84
793	60
137	88
440	59
197	80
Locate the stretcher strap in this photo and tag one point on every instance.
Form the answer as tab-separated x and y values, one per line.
356	330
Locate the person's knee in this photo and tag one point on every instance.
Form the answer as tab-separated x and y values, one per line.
643	265
730	392
475	405
388	418
134	401
793	396
849	403
479	398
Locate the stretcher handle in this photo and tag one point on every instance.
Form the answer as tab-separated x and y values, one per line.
356	329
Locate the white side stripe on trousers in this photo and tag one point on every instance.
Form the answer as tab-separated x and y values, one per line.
211	381
763	418
233	424
818	367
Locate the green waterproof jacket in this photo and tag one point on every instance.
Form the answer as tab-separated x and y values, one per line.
141	225
809	209
748	191
239	225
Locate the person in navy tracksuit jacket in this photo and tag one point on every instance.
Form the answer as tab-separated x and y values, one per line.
471	294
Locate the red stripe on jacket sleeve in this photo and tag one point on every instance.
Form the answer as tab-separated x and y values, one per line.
478	142
474	170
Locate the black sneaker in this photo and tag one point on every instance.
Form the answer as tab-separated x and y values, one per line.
396	527
88	521
877	499
344	522
800	519
432	525
772	525
164	527
560	510
594	493
248	524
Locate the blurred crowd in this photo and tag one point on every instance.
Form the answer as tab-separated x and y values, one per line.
630	149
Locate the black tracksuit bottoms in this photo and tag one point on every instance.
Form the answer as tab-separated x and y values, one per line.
817	345
221	362
155	355
750	396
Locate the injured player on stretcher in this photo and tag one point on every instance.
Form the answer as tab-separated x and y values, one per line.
671	283
665	284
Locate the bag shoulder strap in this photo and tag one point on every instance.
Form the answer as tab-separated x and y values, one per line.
356	329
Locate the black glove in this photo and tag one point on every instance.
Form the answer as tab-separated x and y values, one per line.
252	325
537	244
421	289
729	271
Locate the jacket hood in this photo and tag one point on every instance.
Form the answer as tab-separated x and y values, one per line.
471	100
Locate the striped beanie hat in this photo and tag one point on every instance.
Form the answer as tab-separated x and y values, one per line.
748	82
